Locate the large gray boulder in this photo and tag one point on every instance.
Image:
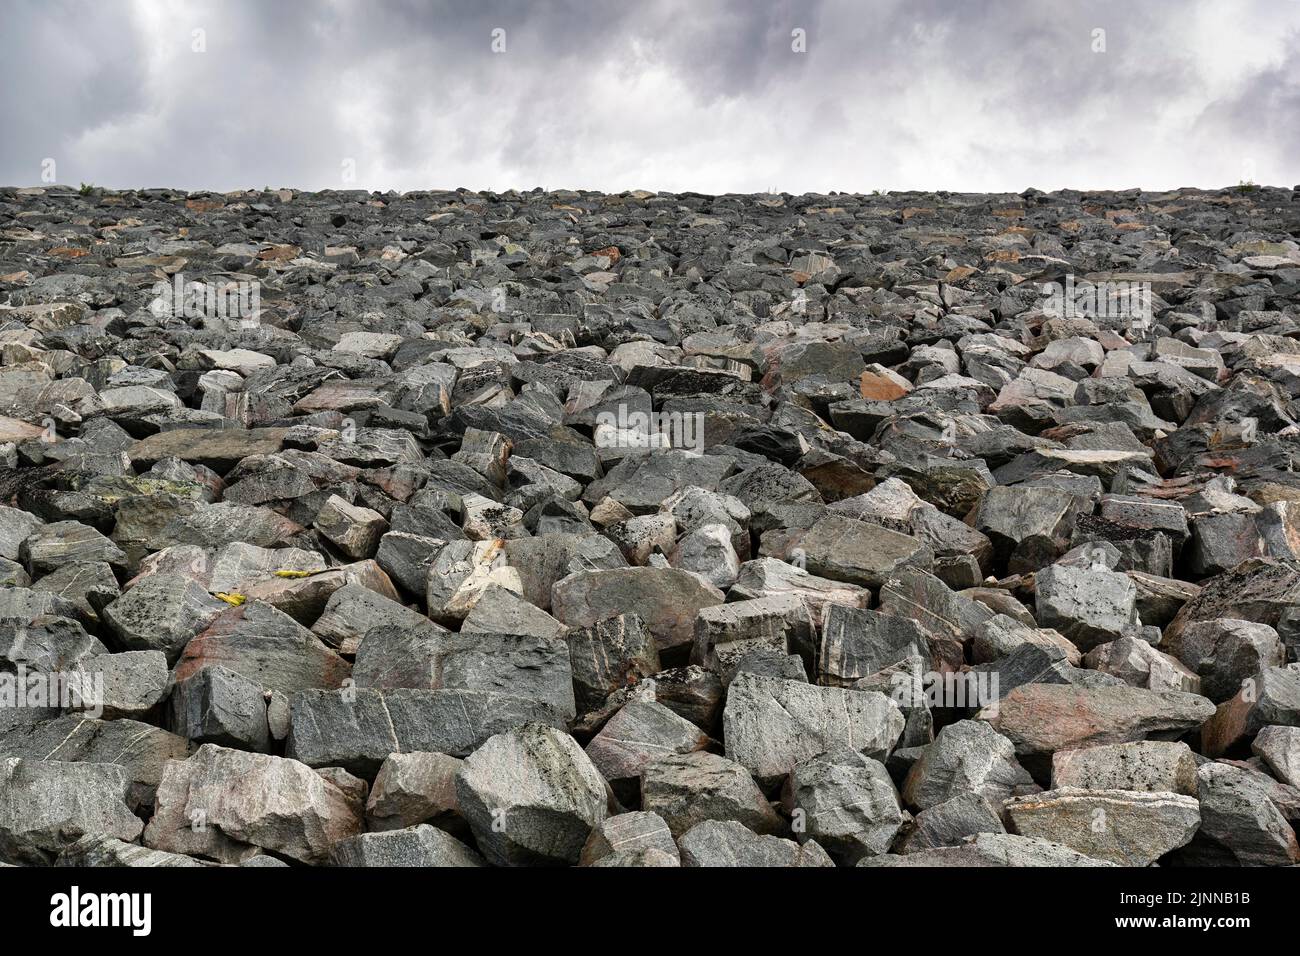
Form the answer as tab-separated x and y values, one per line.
608	655
667	599
991	849
162	613
140	749
1151	766
727	843
413	788
1240	824
627	834
1225	652
1279	748
951	822
846	802
531	796
858	552
226	804
966	757
771	725
1087	607
1131	828
642	732
358	728
417	846
47	806
686	789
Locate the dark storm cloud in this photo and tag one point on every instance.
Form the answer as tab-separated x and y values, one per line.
662	94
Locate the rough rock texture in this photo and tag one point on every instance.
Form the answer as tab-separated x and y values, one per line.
1130	828
531	797
412	788
1041	719
45	806
360	729
687	789
1279	747
846	802
966	757
992	849
566	523
627	834
1148	765
642	732
141	750
224	804
727	843
949	823
771	725
418	846
1240	824
217	706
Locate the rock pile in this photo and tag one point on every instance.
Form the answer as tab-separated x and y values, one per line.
468	529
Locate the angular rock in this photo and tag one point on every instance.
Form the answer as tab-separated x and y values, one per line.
106	851
966	757
1087	607
773	725
47	806
531	797
460	573
687	789
226	804
1270	698
501	611
846	803
1130	828
354	531
665	598
629	833
857	552
50	546
1279	748
948	824
856	644
707	551
1225	652
413	788
1029	527
218	706
418	846
1040	719
164	612
141	750
727	843
607	655
780	621
267	647
128	684
640	733
1151	766
992	849
1240	825
359	729
768	576
353	610
1136	662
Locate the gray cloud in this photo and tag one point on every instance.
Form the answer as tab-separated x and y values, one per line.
662	94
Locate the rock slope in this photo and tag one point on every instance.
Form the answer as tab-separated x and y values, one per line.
468	529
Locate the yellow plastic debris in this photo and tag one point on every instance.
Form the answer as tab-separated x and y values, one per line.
293	574
232	599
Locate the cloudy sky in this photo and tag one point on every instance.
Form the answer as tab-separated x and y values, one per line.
706	95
